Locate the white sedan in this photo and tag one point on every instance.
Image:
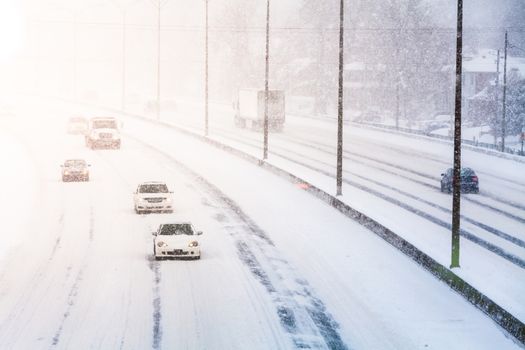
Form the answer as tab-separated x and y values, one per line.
176	240
75	170
153	196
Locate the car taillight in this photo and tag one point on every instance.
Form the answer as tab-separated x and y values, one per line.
475	178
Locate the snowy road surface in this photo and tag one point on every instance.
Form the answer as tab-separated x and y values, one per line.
394	179
279	270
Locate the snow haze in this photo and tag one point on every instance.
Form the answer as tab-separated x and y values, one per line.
325	206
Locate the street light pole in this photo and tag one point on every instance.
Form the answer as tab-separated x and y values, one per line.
496	97
206	69
503	121
456	183
75	55
158	61
266	73
123	81
340	104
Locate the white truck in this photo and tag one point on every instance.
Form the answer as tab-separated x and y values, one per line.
249	109
103	132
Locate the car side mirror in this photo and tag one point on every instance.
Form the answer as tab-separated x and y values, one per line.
199	233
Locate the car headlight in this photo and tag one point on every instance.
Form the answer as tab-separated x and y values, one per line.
66	172
193	244
168	200
161	244
84	171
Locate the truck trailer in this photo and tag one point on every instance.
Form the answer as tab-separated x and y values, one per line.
249	109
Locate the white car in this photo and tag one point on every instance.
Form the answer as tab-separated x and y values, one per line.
153	197
176	240
75	170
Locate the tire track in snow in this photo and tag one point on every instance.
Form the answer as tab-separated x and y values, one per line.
490	229
157	310
326	149
464	233
323	148
73	292
153	265
302	315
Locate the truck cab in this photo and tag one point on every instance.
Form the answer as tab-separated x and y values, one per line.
103	132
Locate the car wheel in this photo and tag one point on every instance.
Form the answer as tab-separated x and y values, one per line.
155	252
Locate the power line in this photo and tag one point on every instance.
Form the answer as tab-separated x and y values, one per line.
292	28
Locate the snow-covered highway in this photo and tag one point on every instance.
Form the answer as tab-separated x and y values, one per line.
394	179
279	270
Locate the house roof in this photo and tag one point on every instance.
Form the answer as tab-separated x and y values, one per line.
485	61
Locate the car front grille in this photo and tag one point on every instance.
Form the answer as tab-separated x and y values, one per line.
177	252
154	200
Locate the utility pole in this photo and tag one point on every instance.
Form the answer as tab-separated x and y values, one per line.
266	73
339	175
456	182
496	96
75	55
123	81
206	91
503	121
158	61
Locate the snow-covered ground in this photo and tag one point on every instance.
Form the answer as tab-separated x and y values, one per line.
20	189
279	270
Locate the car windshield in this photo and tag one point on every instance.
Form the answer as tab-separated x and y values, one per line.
75	163
153	188
467	172
176	229
104	124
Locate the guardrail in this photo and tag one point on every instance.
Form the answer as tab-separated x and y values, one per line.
482	147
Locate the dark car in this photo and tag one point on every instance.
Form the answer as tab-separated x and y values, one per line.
469	181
